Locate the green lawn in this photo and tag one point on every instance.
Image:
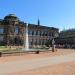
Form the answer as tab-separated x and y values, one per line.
6	49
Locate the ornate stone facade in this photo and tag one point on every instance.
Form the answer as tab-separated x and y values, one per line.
12	32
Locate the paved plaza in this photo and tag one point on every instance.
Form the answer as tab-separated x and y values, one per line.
10	67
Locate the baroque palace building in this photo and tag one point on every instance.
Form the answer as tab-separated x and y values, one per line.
12	32
66	38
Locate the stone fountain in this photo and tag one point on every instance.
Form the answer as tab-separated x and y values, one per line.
26	42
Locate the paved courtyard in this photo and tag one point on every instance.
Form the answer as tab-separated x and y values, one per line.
14	65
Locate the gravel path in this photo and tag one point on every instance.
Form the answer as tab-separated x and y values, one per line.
25	65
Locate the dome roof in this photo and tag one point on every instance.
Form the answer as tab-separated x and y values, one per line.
11	17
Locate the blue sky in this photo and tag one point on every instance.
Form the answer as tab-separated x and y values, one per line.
52	13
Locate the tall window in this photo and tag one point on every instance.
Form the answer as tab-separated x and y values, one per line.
45	33
16	30
38	32
42	33
34	32
1	38
1	30
30	32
